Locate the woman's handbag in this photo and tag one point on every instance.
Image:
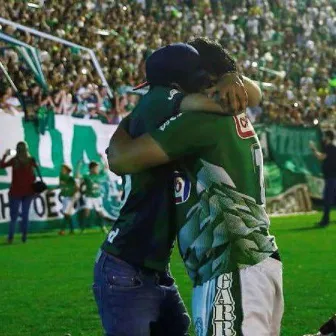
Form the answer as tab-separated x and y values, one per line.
39	186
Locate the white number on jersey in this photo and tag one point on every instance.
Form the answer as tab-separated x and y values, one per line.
259	169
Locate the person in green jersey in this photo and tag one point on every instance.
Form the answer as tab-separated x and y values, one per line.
133	288
91	187
223	229
69	188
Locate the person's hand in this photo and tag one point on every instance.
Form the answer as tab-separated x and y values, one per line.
232	93
8	152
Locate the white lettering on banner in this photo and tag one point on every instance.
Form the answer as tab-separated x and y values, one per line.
65	126
45	151
46	206
224	308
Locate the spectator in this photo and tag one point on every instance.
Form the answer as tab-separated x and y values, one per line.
287	45
21	191
330	99
328	158
10	103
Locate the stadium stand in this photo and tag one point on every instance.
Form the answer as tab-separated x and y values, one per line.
288	46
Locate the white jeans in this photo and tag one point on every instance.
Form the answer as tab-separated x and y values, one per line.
247	302
262	298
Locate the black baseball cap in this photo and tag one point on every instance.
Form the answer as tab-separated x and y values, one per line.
171	64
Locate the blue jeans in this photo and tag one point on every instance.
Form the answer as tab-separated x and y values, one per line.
14	205
132	302
329	198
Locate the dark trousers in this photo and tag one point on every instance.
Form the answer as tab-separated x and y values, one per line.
329	198
133	302
14	206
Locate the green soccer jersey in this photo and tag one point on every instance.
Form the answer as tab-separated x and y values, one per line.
92	184
67	185
144	233
219	192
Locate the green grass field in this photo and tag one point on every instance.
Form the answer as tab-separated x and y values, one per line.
45	285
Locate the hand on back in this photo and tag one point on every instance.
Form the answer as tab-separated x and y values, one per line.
228	97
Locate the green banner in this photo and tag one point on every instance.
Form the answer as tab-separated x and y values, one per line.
289	151
290	169
64	140
273	179
289	148
288	159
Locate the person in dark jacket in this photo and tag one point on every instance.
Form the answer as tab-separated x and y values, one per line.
21	191
328	158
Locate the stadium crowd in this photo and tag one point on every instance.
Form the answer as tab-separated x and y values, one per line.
288	46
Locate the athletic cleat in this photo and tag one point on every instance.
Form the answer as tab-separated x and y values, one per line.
61	233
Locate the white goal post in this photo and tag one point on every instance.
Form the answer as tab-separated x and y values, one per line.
65	42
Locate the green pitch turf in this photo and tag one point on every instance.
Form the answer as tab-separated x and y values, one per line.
45	285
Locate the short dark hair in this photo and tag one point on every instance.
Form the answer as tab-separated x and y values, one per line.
177	63
214	58
93	164
330	135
